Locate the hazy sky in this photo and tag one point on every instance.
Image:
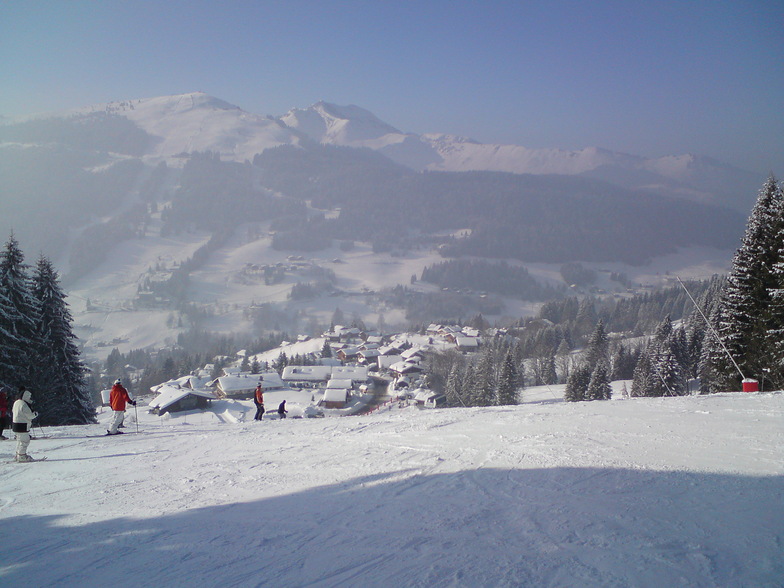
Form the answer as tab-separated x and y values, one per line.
650	78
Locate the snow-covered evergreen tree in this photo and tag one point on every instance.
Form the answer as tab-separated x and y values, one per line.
63	395
549	375
645	381
506	392
599	385
454	386
485	385
18	319
597	350
577	383
747	310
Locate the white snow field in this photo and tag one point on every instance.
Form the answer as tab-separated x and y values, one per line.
660	492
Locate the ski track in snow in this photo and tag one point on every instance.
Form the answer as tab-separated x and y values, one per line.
644	492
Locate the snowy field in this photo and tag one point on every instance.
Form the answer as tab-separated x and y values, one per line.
645	492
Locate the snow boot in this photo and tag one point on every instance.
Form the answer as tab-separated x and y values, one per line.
108	432
24	458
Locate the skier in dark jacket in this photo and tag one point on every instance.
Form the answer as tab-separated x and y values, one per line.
282	410
258	399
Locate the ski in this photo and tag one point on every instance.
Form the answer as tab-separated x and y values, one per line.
31	460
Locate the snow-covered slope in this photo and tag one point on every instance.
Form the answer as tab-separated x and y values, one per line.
682	491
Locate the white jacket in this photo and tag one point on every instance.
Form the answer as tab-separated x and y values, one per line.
22	411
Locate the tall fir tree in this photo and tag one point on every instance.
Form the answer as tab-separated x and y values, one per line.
577	383
599	387
19	319
506	391
645	382
747	311
485	380
453	388
64	397
597	350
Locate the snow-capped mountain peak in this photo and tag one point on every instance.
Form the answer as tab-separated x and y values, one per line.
339	125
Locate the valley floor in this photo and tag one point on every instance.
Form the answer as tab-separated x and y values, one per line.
644	492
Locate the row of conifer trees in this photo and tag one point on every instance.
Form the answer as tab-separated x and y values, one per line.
38	348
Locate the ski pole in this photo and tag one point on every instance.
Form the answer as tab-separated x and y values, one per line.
136	417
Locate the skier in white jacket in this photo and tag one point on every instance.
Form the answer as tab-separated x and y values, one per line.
22	423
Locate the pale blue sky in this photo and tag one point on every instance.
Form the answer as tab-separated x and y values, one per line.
649	78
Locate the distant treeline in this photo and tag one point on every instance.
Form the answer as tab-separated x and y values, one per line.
499	278
527	217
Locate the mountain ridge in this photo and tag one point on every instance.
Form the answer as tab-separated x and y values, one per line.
196	121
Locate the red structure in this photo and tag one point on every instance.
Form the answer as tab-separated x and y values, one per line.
750	385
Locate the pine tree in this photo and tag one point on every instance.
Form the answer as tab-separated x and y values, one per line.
747	309
549	375
506	392
454	386
577	383
19	319
599	385
597	350
485	380
646	382
64	398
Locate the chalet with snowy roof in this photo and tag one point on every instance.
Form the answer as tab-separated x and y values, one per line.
309	376
344	334
466	344
348	354
368	356
428	398
384	361
174	398
413	354
357	374
404	368
389	350
234	386
334	398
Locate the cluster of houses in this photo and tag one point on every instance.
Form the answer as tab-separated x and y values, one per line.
360	360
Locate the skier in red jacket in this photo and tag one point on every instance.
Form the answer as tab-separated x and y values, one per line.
258	400
4	420
117	399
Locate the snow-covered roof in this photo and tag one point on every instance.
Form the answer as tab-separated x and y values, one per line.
271	380
168	395
237	383
423	394
356	373
465	341
335	395
384	361
344	384
309	373
404	367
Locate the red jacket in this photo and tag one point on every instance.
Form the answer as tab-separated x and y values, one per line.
259	397
118	397
3	404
